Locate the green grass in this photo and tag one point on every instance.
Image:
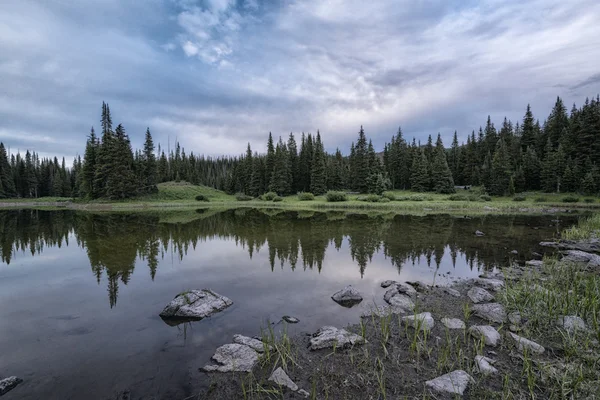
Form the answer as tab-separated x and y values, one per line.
586	229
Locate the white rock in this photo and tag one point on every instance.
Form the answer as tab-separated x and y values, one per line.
195	304
282	379
490	284
479	295
490	335
483	365
454	382
526	344
578	256
479	233
424	321
399	288
387	283
493	312
534	263
402	302
255	344
8	384
233	357
329	336
453	323
304	393
290	320
571	323
347	297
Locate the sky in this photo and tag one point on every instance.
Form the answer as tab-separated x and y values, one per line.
218	74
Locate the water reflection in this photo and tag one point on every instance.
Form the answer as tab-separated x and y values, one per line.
114	242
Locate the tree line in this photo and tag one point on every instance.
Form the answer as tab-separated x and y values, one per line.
562	154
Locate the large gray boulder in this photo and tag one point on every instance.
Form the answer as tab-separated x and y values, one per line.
233	357
479	295
330	336
490	284
387	283
399	288
454	383
254	344
493	312
423	321
8	384
282	379
489	334
581	257
524	344
402	302
347	297
195	304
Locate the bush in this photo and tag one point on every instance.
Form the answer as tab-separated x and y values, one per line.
202	197
519	198
485	197
384	200
458	197
589	200
570	199
333	196
389	196
540	199
242	197
371	198
474	197
306	196
277	199
269	196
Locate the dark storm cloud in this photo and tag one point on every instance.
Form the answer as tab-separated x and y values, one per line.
216	74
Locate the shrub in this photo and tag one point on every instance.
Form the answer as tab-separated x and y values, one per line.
306	196
458	197
242	197
389	196
202	197
540	199
474	197
416	198
570	199
371	198
333	196
277	199
485	197
588	200
384	200
519	198
269	196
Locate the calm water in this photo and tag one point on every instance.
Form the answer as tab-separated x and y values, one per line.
80	293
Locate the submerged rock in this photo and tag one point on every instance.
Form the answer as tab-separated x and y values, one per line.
347	297
578	256
387	283
526	344
483	365
8	384
329	336
282	379
479	295
423	321
493	312
453	323
195	304
233	357
454	382
571	323
489	334
490	284
290	320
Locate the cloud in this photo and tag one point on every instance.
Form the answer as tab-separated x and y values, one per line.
217	74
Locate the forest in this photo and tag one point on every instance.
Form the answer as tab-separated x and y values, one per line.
561	154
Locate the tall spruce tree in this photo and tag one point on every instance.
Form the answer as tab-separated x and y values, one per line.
280	179
361	163
501	170
440	172
419	180
318	177
149	165
89	167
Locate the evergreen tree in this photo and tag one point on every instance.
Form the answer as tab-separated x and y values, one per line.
528	131
270	160
257	185
501	170
454	160
361	163
440	172
419	181
337	181
120	182
318	178
7	184
280	182
149	165
293	163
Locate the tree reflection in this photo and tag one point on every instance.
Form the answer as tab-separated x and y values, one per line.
114	242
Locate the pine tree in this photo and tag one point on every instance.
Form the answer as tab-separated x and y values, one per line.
501	170
270	160
337	181
454	161
419	181
486	173
318	176
149	165
293	163
528	131
120	182
361	163
257	185
280	182
440	172
7	184
104	155
531	169
248	167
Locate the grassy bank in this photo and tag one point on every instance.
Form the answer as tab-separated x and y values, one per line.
183	195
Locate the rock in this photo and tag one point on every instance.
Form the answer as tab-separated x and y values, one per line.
588	246
514	252
233	357
514	318
382	311
489	334
347	297
423	321
290	320
254	344
571	323
578	256
514	328
402	302
304	393
479	295
536	255
451	292
388	283
526	344
490	284
282	379
493	312
453	323
399	288
8	384
195	304
454	382
419	286
534	263
483	365
479	233
329	336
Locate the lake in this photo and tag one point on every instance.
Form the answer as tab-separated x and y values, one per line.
80	292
